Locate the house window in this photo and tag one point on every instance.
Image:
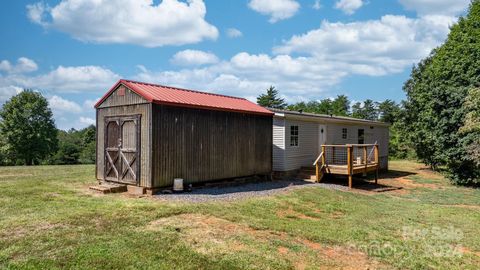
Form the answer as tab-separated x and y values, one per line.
344	133
361	136
293	135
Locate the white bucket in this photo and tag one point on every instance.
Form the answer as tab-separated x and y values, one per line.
359	160
178	184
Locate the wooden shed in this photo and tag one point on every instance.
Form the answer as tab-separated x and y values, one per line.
149	134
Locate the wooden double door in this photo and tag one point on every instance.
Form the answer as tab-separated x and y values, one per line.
122	149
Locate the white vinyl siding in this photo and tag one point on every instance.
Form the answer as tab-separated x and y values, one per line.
377	134
306	152
287	158
278	150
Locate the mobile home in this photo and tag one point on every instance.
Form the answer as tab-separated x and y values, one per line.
298	138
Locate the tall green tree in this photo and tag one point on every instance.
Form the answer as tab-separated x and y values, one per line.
340	106
470	131
436	92
88	154
76	146
271	99
388	111
366	111
28	128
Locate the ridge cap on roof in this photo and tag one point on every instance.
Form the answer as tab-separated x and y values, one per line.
181	89
328	116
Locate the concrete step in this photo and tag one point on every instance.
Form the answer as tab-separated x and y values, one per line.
106	188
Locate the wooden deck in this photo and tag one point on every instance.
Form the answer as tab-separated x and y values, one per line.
347	160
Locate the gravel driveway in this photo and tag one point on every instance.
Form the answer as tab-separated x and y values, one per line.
242	191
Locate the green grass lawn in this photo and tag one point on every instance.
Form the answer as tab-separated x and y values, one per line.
49	219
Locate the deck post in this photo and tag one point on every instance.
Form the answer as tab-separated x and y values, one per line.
365	160
333	154
377	163
324	162
349	165
317	172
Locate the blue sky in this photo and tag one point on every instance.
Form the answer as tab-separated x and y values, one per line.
72	51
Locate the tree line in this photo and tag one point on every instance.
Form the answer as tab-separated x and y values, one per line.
387	111
28	135
439	122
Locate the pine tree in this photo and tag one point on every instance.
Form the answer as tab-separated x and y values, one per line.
271	99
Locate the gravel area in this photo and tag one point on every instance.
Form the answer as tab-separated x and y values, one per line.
242	191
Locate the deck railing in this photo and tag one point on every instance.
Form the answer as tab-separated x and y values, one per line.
348	159
357	154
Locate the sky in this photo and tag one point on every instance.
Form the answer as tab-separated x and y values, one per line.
73	51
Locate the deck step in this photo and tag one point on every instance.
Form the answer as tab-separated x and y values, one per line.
307	176
106	188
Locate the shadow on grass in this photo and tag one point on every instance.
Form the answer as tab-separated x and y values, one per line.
368	183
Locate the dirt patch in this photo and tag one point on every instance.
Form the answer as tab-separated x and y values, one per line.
283	250
21	232
216	236
337	214
290	213
407	183
466	250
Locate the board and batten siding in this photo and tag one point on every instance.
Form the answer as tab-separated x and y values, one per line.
125	105
128	98
204	145
278	144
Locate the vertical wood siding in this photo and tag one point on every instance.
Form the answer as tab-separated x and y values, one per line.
201	145
115	99
145	111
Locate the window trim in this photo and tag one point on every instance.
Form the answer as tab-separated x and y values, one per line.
294	136
344	133
363	136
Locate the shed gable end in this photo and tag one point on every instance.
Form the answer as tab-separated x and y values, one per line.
121	96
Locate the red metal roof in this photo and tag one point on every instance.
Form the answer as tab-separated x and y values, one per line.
167	95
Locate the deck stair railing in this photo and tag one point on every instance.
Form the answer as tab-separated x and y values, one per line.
347	159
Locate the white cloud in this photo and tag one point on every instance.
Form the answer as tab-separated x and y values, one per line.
276	9
58	104
317	5
247	75
445	7
193	58
90	103
234	33
375	47
36	12
349	6
86	121
66	79
23	65
6	92
309	65
139	22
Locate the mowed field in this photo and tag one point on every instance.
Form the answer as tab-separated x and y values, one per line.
415	219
